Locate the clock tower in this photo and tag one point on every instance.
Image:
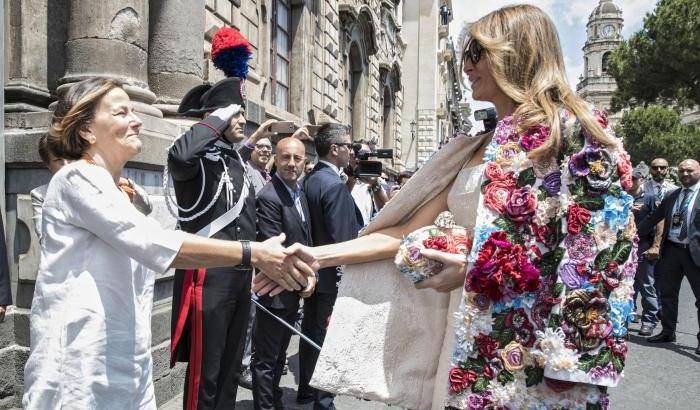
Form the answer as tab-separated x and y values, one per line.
604	34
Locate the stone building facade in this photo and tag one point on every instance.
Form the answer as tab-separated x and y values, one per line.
314	61
604	34
431	86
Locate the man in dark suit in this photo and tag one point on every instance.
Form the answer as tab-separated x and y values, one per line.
680	255
282	208
334	218
648	250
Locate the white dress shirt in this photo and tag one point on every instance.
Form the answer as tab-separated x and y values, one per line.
675	231
296	197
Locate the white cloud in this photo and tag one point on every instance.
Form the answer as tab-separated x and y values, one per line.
577	13
633	11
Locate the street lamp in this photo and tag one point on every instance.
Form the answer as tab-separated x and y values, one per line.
413	137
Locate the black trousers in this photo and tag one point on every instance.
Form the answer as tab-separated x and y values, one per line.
225	313
317	312
270	341
675	263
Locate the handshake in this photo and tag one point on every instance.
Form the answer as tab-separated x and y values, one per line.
293	268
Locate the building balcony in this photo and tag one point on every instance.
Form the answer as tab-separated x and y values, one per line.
443	31
607	80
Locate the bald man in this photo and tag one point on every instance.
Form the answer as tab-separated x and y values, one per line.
282	208
680	255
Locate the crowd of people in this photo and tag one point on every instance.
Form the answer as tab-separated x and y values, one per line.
263	232
667	222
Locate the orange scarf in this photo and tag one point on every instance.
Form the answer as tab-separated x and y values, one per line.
124	185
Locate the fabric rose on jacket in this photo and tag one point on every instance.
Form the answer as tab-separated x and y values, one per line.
596	165
502	269
585	319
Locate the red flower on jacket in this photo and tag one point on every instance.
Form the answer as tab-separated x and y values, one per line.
624	168
461	379
494	172
502	269
534	137
497	194
487	345
577	218
521	205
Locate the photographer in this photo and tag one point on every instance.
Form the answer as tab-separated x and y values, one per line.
366	190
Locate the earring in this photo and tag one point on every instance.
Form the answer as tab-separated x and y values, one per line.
93	140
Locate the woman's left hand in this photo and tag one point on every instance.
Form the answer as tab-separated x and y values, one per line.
452	275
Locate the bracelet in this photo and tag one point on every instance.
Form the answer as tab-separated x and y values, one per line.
247	253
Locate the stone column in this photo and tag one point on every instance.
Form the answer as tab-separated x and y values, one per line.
26	86
176	57
110	38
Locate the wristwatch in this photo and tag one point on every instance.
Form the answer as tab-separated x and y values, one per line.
247	254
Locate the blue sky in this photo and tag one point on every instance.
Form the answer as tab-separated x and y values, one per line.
570	18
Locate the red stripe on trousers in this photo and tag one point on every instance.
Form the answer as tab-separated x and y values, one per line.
191	306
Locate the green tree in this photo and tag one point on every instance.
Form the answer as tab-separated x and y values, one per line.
654	131
660	64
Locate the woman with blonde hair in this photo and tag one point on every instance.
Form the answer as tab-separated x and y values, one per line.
543	299
91	313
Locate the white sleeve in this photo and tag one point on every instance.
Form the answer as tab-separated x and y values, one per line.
93	202
37	203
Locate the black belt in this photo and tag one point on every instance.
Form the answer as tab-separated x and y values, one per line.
678	245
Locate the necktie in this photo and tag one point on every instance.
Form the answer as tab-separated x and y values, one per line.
659	193
683	212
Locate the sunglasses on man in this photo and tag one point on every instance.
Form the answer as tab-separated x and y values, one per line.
659	167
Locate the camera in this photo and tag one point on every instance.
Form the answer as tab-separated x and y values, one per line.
489	117
367	167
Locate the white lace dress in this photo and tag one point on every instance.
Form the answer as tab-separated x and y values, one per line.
462	201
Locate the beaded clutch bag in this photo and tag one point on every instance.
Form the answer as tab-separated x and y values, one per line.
443	236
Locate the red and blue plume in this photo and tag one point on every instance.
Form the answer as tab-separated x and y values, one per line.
230	52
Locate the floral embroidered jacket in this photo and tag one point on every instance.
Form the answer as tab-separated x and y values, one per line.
548	294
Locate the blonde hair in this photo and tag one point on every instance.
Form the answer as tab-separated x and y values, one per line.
524	56
73	114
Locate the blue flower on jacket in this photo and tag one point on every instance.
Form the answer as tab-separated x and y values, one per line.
617	210
620	315
490	152
526	300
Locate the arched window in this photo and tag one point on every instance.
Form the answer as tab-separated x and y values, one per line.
355	102
387	119
604	64
585	67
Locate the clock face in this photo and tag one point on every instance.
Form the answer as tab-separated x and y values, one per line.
608	30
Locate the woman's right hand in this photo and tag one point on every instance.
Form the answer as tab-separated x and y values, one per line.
289	270
452	274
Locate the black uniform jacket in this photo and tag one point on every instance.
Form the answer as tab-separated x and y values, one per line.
334	217
205	142
277	214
